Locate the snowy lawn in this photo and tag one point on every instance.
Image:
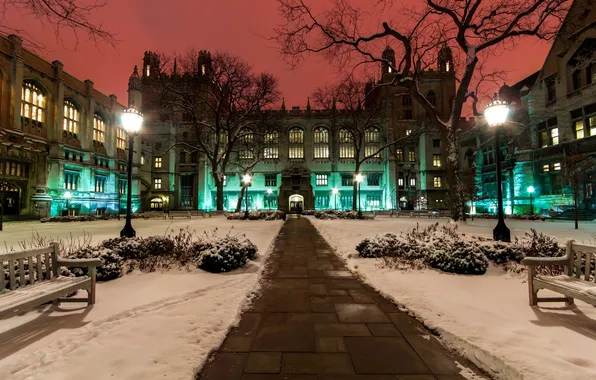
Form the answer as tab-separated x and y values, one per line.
486	318
144	325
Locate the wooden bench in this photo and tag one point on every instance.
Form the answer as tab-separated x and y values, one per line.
389	213
186	213
154	214
570	284
43	282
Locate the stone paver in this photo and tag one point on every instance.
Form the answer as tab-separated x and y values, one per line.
315	320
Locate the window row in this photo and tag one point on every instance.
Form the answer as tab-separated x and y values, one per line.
33	107
72	179
13	169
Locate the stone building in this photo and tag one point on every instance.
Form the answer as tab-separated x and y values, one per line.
309	159
62	150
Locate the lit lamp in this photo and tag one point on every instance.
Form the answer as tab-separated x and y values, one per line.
496	115
531	192
269	192
359	178
67	196
335	191
246	179
132	121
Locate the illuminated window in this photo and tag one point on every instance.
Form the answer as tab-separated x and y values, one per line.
413	182
554	135
579	129
373	179
545	168
399	154
296	148
411	155
447	66
592	124
246	141
557	166
157	183
271	150
157	162
142	160
437	160
346	144
203	70
99	129
321	142
100	183
437	181
122	187
71	180
148	70
408	132
322	179
32	102
400	182
72	117
121	138
372	138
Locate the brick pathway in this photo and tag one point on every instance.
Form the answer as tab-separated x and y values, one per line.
315	321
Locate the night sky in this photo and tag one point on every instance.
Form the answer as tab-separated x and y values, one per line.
236	26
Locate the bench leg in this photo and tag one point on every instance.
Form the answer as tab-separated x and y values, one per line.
56	303
569	301
91	291
533	293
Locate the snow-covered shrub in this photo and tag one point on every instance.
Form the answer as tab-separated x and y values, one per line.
459	257
501	253
379	246
308	212
112	264
338	214
513	216
226	254
257	215
84	218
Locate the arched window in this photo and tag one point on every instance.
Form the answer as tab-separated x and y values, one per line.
72	116
431	96
346	144
296	143
321	142
372	139
99	129
271	150
33	102
121	139
246	140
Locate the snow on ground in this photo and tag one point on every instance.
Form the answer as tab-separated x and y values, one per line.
486	318
144	325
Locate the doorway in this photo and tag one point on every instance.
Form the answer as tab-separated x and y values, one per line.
296	203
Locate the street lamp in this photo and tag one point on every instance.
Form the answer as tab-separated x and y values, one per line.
246	179
496	115
359	179
132	121
531	192
67	196
335	191
269	192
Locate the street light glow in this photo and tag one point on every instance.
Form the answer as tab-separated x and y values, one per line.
335	191
496	113
531	189
359	178
132	120
246	178
269	191
67	195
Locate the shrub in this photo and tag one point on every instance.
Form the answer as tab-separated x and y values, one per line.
459	257
257	215
228	253
309	212
112	264
338	214
501	253
379	246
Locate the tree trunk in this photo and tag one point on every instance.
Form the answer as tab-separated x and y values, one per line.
240	198
219	194
355	188
455	191
576	201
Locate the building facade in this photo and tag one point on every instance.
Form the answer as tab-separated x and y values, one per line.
62	148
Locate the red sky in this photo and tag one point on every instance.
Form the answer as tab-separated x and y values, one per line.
236	26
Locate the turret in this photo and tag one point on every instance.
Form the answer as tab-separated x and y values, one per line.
204	63
150	65
445	60
135	96
388	64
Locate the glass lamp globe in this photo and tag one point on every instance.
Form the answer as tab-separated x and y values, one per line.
530	189
496	113
132	120
67	195
246	178
359	177
335	190
269	191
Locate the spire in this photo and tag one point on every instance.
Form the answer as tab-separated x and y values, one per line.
134	82
283	104
308	104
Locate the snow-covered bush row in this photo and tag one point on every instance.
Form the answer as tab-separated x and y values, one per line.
512	216
257	215
338	214
444	248
84	218
309	212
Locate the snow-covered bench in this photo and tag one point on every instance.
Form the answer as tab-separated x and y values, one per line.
388	213
186	213
34	279
571	284
154	214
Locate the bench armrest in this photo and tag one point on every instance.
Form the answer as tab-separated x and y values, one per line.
77	263
534	261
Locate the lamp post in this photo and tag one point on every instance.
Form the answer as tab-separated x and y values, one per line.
269	192
335	191
67	196
496	115
132	121
531	192
246	179
359	179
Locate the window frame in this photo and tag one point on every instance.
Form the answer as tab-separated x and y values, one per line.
437	182
33	107
296	143
322	179
157	162
157	183
99	129
436	160
321	143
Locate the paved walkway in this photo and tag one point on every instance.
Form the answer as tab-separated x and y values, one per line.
315	321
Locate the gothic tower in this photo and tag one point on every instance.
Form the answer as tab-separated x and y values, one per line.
445	60
135	96
389	56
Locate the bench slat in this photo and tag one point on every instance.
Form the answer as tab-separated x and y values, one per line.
578	263
588	266
2	281
23	254
39	268
48	267
11	275
22	271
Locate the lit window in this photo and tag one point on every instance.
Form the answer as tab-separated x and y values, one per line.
321	142
408	132
157	162
32	102
447	66
148	70
554	135
389	70
100	183
372	138
203	70
437	181
271	150
413	182
71	180
579	129
399	153
400	182
322	179
557	166
296	149
411	155
437	160
122	187
592	124
71	117
545	168
99	129
157	183
346	144
142	160
246	143
120	138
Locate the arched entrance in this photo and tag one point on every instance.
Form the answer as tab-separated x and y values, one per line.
156	204
9	198
296	203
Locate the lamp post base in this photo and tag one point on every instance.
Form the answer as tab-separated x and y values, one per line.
128	231
501	232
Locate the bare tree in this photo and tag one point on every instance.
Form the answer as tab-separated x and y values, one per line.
221	100
357	117
576	169
74	17
472	29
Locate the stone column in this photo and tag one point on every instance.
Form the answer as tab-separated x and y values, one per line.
86	130
15	80
56	113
